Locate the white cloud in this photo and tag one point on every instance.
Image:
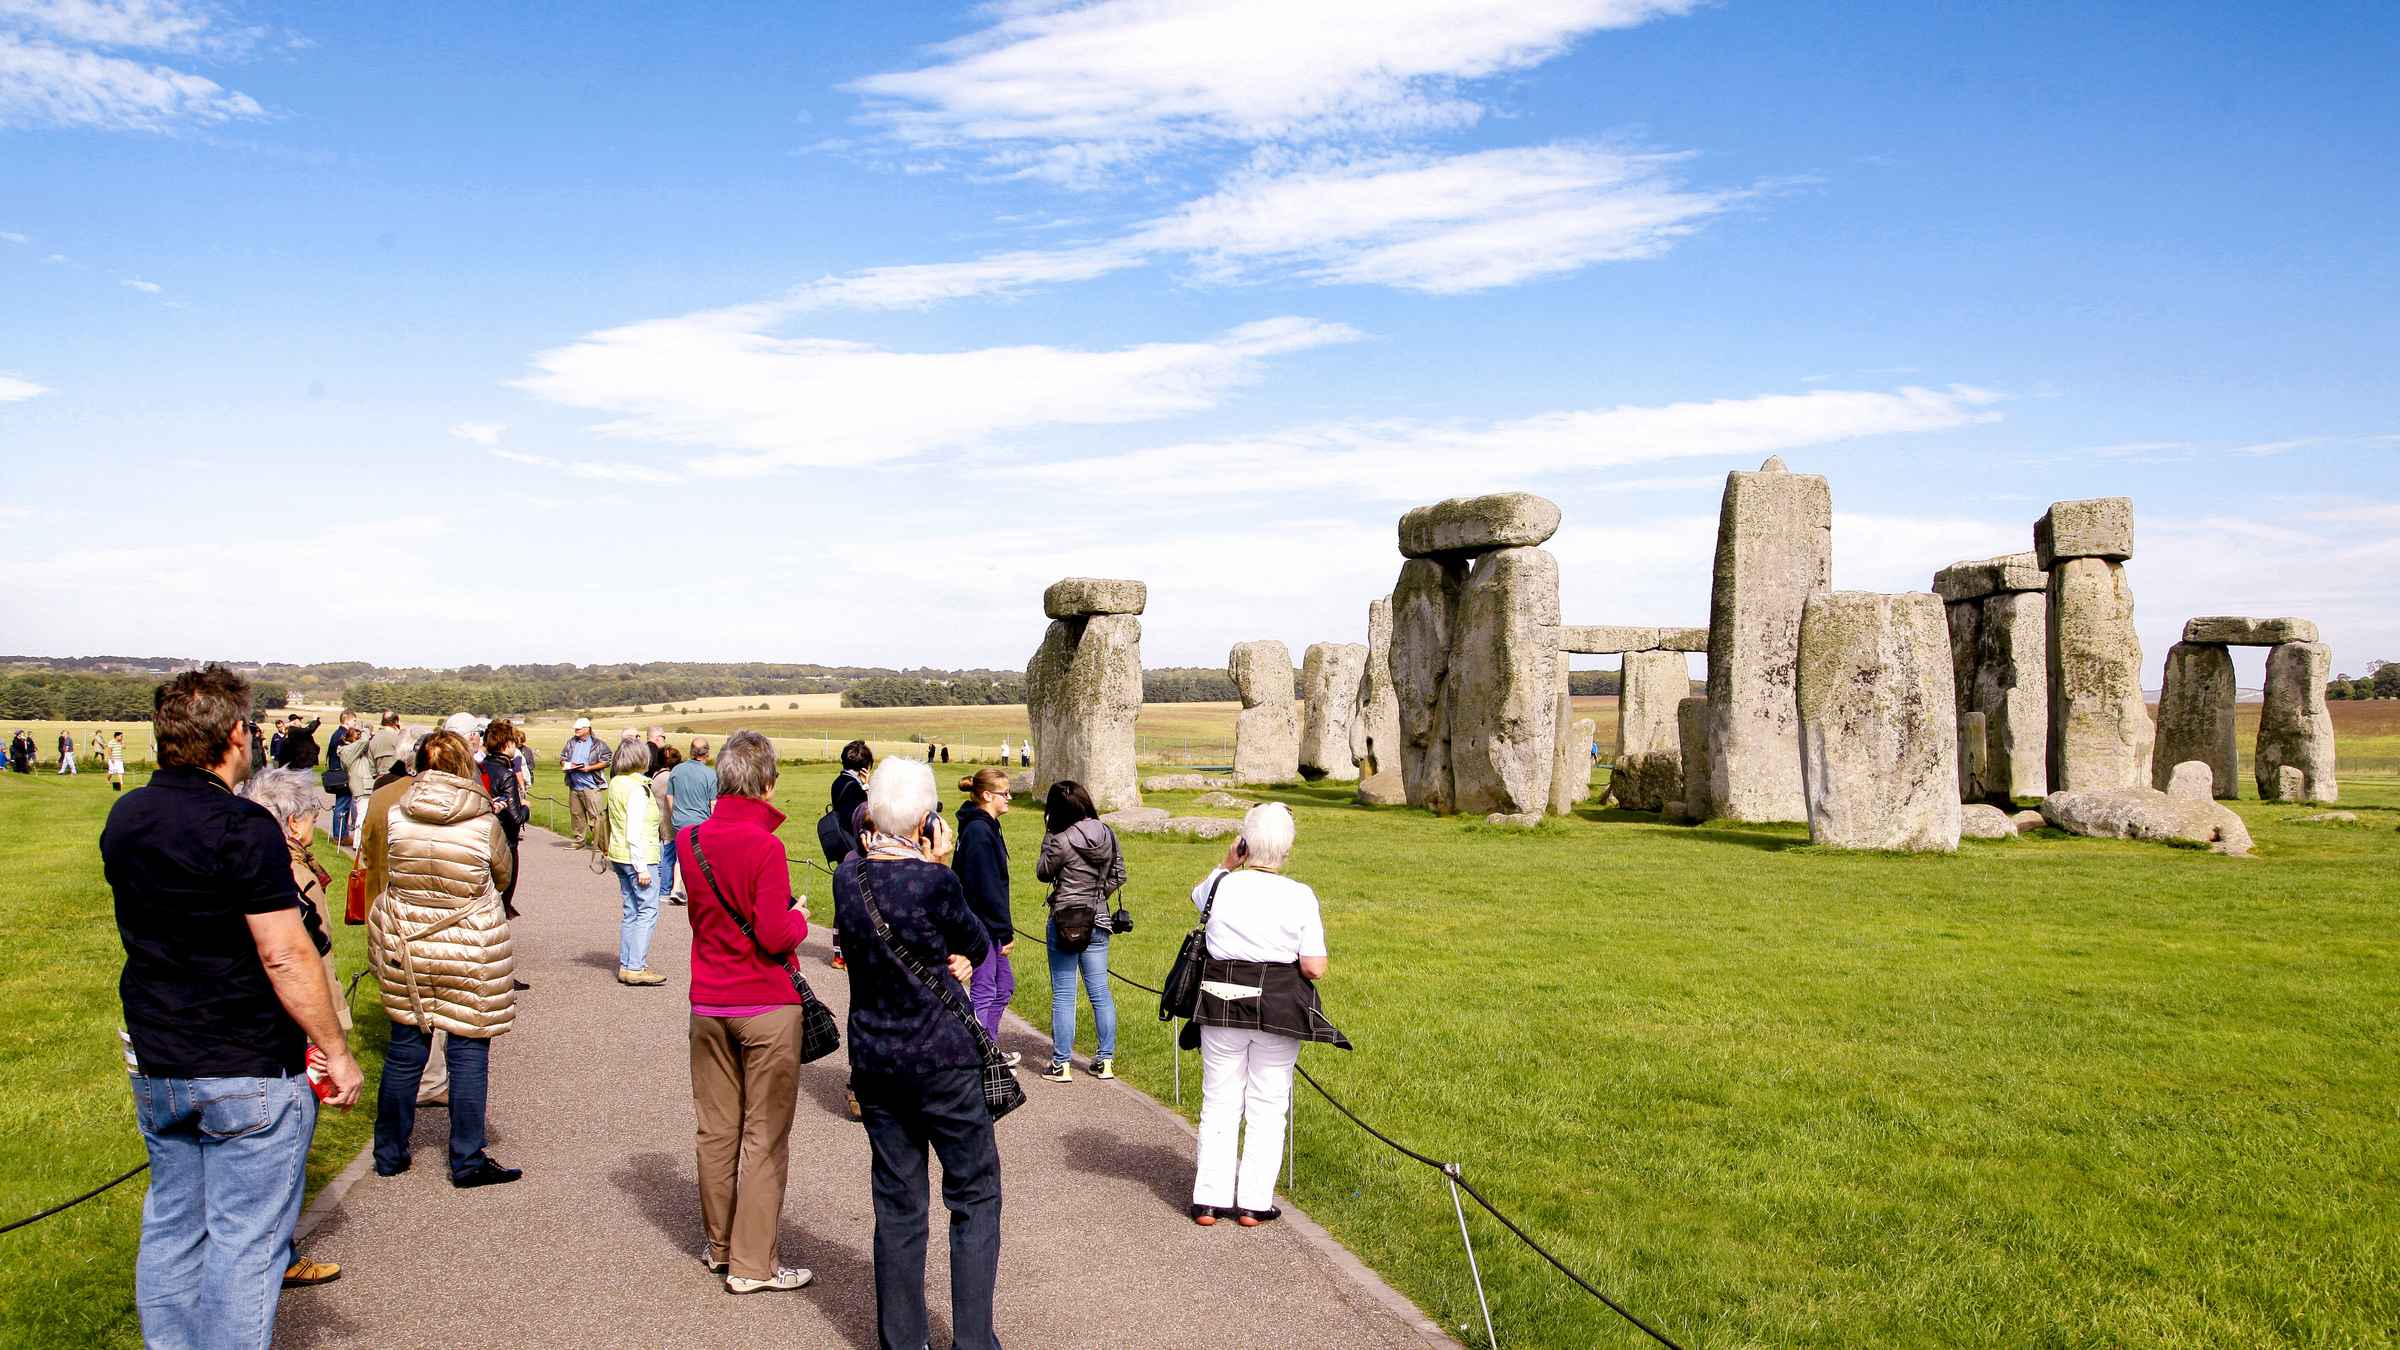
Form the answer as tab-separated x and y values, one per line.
917	285
45	85
145	287
1070	92
155	25
2262	449
55	258
14	389
1406	460
721	380
481	433
13	237
602	470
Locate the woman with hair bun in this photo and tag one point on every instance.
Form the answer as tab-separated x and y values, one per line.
982	867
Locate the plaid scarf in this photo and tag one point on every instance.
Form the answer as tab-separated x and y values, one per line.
876	846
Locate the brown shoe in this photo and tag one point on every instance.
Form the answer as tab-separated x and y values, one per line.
305	1272
642	977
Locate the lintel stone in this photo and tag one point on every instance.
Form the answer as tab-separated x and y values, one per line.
2008	573
2094	527
1606	639
2227	630
1082	597
1467	526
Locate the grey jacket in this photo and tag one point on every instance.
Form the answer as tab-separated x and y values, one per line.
1083	866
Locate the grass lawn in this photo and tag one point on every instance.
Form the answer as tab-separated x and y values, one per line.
66	1120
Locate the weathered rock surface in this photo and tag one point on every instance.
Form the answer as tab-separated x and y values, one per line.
1183	782
1691	735
2330	818
1224	799
2095	527
2147	813
1424	610
1329	680
1266	737
2010	572
2027	820
1648	775
1571	759
2234	631
2100	731
1375	720
1383	788
1082	597
2295	731
2191	781
1979	821
2012	691
1501	686
1136	819
1974	740
2291	785
1462	527
1608	639
1774	550
1878	722
2195	718
1520	820
1083	691
1966	650
1204	827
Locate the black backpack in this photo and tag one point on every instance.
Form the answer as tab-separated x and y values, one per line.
833	837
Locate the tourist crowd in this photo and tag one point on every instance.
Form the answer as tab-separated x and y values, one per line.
237	1024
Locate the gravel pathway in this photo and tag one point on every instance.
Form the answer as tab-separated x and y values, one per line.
598	1245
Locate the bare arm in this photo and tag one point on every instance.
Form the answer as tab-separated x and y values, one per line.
1314	967
298	975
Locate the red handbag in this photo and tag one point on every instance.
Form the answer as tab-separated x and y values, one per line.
354	908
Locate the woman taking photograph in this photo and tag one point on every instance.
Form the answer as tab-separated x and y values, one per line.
442	954
633	855
982	867
745	1030
1083	865
916	1064
1258	1002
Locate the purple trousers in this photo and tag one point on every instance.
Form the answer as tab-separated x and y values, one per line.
995	982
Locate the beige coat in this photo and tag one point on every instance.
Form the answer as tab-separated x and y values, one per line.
438	934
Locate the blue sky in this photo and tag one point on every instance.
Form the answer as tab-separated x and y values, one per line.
835	332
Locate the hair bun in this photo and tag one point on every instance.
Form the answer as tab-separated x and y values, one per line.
967	784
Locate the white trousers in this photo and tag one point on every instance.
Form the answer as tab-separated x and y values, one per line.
1245	1076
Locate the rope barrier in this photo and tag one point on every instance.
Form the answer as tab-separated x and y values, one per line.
99	1190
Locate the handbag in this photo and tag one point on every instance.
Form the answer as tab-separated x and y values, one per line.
820	1035
1179	993
354	901
1002	1093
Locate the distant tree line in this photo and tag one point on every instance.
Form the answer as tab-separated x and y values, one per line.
896	691
57	696
2382	680
1587	683
1189	684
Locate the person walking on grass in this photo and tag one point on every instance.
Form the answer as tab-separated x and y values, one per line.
116	762
223	993
1081	861
982	867
691	799
66	752
916	1065
632	824
746	1013
1258	1002
584	761
442	956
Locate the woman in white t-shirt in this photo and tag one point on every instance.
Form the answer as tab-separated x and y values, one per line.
1258	1002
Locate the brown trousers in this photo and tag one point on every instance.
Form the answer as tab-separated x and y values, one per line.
745	1083
587	812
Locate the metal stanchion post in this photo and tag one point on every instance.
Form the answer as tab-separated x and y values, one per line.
1450	1173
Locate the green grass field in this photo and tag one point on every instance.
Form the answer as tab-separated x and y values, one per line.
2048	1091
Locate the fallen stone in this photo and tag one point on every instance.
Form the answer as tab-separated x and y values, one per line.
1183	782
2291	785
1522	820
2012	691
1878	723
1224	799
1424	610
1463	527
2295	730
1648	773
1501	687
1082	597
2330	818
2234	631
1384	788
1136	819
2006	574
1266	736
1204	827
2027	820
1329	678
1774	550
2095	527
2195	718
1691	736
2191	781
2100	730
1979	821
2147	813
1083	692
1375	721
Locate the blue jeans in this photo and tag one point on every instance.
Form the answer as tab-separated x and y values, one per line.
942	1108
1092	961
469	1060
641	915
228	1167
345	811
666	869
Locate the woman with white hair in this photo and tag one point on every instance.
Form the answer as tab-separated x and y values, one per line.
1258	1002
916	1056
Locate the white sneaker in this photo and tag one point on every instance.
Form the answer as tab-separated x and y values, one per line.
715	1266
1013	1058
786	1277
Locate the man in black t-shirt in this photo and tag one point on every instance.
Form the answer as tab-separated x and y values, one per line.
223	994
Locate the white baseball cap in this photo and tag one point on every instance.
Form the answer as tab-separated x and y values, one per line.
583	724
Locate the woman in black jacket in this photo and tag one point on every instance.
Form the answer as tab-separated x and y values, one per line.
849	793
982	867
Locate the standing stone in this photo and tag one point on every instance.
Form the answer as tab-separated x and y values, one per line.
1375	721
2195	718
1878	722
2192	780
1329	678
2012	691
1774	550
2100	732
1691	727
1649	769
2295	731
1966	650
1974	754
1501	685
1424	611
2291	785
1083	691
1571	764
1266	737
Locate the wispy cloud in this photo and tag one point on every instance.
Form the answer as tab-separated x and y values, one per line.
481	433
918	285
604	470
722	380
16	389
2263	449
145	287
56	69
13	237
1073	92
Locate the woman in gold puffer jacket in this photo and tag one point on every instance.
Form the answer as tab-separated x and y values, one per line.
441	949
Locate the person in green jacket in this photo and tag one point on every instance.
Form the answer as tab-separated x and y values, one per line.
633	854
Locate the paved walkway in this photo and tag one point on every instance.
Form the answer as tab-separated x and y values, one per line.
599	1244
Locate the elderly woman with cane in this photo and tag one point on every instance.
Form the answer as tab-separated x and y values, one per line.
1258	1002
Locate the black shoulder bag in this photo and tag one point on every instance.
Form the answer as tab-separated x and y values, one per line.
1002	1093
1180	996
820	1035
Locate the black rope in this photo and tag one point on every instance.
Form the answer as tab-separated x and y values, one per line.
101	1189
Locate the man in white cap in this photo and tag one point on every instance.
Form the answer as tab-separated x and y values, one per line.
585	762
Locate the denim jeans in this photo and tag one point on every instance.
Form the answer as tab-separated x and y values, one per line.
469	1059
1092	963
641	915
995	983
228	1166
666	869
345	809
942	1108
